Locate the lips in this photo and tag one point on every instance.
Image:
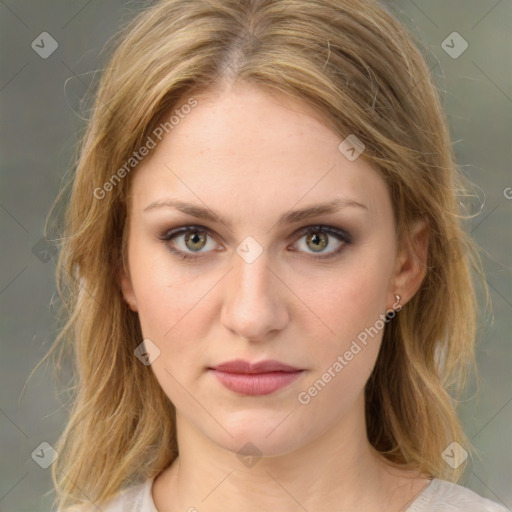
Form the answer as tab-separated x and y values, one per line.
241	366
255	379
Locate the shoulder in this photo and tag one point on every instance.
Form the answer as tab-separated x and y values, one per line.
444	496
136	498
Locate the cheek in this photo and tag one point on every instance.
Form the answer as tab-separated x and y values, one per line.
352	298
175	313
343	361
350	304
164	294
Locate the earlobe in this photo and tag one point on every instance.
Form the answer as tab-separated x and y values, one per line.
127	289
412	262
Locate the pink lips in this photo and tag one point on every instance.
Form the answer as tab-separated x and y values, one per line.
255	379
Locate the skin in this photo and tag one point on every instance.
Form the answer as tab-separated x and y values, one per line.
252	156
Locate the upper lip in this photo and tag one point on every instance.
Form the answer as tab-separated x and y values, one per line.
242	366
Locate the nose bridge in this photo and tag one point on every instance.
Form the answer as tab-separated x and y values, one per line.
252	278
254	303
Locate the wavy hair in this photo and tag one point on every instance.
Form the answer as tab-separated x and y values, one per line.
364	74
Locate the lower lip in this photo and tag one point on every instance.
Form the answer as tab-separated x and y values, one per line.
256	384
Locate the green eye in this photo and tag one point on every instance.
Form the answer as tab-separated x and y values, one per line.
195	239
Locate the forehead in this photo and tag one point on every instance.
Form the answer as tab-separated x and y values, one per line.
249	149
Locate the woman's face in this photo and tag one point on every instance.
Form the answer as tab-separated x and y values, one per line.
264	283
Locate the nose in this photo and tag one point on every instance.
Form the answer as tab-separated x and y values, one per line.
255	302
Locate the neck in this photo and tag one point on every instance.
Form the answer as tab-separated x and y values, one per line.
339	471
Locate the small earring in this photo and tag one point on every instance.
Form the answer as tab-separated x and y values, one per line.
394	308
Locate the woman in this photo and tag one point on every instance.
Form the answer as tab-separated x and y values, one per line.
270	296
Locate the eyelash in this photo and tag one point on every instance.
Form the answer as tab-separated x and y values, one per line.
342	236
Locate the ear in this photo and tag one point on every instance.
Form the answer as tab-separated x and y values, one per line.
125	284
411	264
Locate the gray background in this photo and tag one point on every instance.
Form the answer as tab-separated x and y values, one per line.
39	123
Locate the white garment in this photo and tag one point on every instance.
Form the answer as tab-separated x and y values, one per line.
438	496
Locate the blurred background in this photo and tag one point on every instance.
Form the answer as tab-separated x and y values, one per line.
50	50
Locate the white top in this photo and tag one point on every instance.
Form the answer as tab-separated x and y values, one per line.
438	496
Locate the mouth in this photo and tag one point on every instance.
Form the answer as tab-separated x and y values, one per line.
255	379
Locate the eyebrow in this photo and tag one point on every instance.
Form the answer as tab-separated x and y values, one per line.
289	217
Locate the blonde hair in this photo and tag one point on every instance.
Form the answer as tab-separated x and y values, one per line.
360	69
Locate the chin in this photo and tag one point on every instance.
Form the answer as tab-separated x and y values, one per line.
258	435
258	444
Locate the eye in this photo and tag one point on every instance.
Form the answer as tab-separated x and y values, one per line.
317	238
195	239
